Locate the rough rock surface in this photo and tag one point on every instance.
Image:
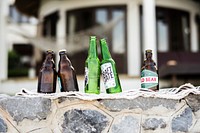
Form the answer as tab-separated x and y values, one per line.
182	122
154	123
84	121
126	124
30	108
19	114
3	126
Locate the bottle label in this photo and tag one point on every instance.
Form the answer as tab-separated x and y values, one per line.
47	78
149	79
108	75
86	75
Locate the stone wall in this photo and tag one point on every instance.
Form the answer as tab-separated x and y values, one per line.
20	114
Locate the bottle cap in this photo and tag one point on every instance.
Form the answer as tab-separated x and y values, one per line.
103	40
62	51
92	37
49	52
148	51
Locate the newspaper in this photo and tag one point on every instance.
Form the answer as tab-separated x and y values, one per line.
168	93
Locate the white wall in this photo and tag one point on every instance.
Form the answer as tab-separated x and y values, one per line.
19	33
133	21
3	46
133	24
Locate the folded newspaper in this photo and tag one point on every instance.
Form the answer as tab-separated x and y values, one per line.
168	93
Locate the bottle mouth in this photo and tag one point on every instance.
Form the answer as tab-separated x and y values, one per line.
62	51
49	52
103	40
92	37
148	51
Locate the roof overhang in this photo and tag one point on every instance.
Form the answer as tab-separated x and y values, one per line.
28	7
31	7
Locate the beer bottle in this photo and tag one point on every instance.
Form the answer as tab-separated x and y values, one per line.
47	76
92	69
108	70
66	73
149	73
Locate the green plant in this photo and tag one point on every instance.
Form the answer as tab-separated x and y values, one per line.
15	67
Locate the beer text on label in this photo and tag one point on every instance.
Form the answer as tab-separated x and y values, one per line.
108	75
149	79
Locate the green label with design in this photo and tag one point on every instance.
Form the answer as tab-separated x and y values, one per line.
149	79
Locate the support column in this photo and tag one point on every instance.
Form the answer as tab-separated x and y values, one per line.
3	46
61	34
134	50
61	25
149	24
194	33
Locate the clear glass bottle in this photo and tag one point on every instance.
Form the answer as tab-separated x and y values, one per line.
92	69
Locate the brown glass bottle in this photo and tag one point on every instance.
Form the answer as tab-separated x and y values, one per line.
47	76
66	73
149	73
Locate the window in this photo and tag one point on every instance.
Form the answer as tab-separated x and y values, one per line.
162	33
16	16
20	60
173	30
103	22
49	24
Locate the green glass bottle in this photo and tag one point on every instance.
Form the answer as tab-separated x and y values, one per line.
92	69
149	73
108	70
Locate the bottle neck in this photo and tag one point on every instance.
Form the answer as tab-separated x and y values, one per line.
93	48
62	56
148	56
49	61
104	49
64	59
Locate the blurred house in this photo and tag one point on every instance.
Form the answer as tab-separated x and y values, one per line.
171	28
17	51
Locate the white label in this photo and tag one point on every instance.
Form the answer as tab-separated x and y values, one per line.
149	79
86	76
108	75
